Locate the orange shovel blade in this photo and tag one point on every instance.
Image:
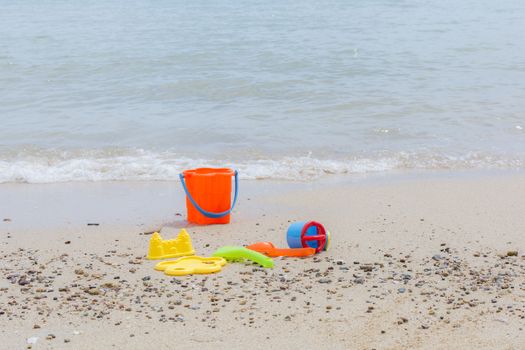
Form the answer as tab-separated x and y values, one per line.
267	248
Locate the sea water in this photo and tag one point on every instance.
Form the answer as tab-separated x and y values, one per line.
140	90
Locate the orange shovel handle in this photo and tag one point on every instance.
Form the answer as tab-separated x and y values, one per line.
293	252
268	249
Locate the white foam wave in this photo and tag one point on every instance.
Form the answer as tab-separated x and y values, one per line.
140	165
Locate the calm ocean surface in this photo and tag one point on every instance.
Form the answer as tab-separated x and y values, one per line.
139	90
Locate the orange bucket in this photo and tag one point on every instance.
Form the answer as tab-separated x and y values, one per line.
208	194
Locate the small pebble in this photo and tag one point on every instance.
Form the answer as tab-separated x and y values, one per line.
325	280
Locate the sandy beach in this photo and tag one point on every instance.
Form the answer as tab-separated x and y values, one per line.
429	261
398	125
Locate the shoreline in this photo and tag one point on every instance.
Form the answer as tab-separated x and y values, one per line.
415	262
149	205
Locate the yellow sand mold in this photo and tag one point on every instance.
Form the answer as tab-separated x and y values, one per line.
170	248
191	265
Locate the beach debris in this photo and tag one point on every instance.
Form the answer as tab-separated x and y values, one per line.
148	233
366	267
22	281
402	320
359	280
32	340
501	320
92	291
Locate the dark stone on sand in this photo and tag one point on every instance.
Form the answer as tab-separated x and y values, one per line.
359	280
402	320
325	280
366	268
23	281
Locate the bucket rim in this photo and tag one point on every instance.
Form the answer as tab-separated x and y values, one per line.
208	171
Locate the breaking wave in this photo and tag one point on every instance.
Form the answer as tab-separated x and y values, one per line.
51	166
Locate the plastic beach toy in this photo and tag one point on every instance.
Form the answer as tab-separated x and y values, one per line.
306	234
267	248
170	248
191	265
208	194
241	253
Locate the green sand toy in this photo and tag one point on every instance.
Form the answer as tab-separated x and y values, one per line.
241	253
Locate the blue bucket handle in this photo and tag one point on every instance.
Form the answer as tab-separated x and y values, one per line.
210	214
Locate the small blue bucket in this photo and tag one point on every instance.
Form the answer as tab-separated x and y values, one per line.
314	229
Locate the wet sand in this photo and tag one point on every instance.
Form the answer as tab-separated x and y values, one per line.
422	262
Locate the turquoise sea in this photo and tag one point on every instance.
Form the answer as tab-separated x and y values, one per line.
139	90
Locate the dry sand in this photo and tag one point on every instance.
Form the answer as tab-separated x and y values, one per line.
421	262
